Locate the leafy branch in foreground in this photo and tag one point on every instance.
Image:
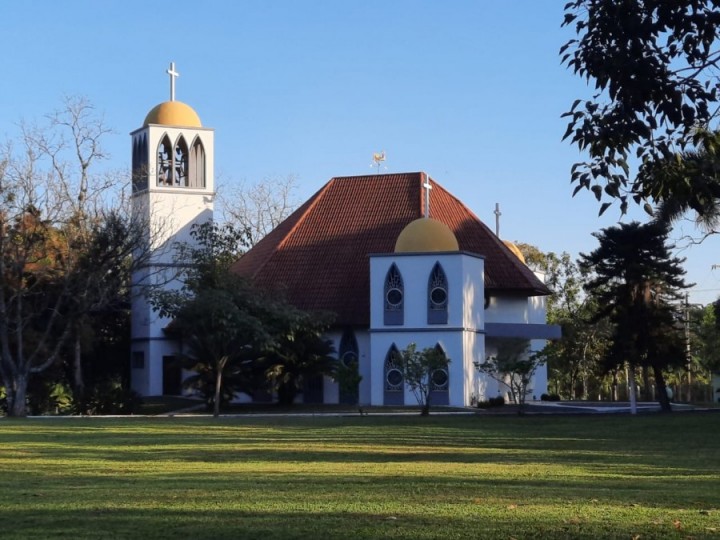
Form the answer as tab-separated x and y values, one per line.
653	65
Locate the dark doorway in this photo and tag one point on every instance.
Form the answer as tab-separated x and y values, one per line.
172	376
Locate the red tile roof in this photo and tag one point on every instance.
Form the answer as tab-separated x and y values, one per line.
319	255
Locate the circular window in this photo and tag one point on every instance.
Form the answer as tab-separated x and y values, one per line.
348	358
394	297
438	296
439	378
394	378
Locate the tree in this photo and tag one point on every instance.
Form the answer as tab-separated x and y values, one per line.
299	352
652	63
216	314
635	282
239	338
56	245
513	366
222	333
348	378
259	207
708	335
418	369
574	357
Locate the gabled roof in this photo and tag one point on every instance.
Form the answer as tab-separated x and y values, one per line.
319	256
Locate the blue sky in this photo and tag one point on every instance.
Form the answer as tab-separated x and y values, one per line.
470	92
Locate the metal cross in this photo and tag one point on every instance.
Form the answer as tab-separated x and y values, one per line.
173	75
427	187
497	219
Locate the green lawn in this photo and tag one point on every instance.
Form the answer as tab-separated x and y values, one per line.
499	477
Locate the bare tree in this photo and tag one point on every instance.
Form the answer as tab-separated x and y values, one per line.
260	207
64	240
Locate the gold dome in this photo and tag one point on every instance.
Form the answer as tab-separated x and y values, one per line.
425	235
173	113
516	250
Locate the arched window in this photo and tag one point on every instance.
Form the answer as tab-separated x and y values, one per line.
139	164
440	383
393	379
348	351
348	354
197	165
180	162
394	300
437	296
165	162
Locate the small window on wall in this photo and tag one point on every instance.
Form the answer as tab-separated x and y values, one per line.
394	300
138	360
437	296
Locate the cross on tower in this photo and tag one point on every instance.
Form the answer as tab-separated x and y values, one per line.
173	75
497	219
427	187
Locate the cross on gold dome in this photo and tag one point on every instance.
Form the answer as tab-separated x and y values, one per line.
173	75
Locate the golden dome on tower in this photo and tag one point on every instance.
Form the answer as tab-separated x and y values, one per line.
425	235
173	113
515	250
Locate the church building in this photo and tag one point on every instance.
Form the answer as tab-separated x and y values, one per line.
400	260
396	257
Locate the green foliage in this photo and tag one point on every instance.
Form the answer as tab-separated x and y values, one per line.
635	283
709	338
239	338
298	353
653	66
418	368
512	366
575	356
222	330
348	378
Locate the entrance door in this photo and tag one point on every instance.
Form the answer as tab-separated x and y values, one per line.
172	376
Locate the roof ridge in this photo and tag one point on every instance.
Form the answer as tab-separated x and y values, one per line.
517	263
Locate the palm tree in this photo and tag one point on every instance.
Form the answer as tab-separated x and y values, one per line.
688	182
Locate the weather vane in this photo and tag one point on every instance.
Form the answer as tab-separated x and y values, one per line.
378	158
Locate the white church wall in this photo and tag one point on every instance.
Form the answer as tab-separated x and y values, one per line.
464	274
170	212
508	309
453	343
461	337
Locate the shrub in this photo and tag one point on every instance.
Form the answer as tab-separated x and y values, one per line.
492	402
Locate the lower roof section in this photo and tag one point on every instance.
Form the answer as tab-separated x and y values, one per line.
524	331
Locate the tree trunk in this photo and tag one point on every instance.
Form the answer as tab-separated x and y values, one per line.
662	391
16	405
78	377
646	383
286	394
614	386
218	385
425	410
632	389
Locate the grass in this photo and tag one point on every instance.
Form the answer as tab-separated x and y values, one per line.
652	476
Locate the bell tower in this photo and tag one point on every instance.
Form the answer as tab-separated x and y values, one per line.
172	190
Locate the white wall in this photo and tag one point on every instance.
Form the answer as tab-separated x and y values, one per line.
461	338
